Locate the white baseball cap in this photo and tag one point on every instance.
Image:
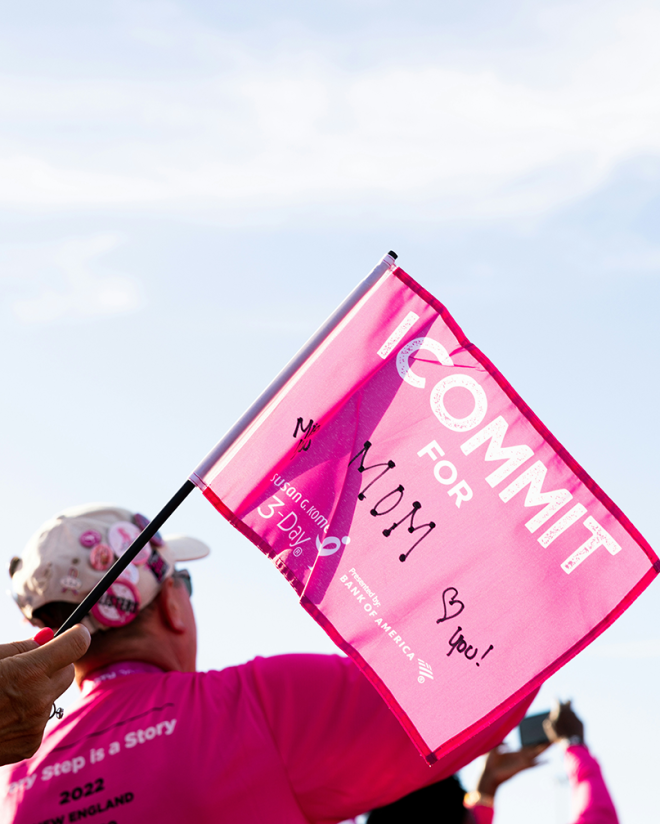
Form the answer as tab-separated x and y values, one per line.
70	553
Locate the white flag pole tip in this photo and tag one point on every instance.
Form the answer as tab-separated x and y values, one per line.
198	477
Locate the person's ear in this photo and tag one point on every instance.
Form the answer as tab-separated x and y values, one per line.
170	605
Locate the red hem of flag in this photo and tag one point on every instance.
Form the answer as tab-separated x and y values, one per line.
540	427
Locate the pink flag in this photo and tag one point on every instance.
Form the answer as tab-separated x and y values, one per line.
429	521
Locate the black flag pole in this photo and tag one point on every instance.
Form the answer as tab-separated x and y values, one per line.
121	563
230	438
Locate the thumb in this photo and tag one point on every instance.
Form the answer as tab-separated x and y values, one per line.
63	650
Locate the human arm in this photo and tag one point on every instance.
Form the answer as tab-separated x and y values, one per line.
31	678
500	765
590	799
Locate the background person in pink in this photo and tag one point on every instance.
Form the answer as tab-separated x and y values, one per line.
591	802
296	738
446	801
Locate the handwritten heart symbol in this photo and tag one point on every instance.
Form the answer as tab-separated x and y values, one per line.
453	601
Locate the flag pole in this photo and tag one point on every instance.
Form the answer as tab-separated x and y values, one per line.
199	476
196	478
121	563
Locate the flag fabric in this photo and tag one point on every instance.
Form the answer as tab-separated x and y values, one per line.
429	521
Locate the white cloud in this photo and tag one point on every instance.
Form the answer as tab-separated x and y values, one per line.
265	131
67	282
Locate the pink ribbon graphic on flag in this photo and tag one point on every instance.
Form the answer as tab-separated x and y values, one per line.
428	520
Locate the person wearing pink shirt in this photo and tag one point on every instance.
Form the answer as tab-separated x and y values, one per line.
446	801
291	739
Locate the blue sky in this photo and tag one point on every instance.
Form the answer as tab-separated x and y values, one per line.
188	190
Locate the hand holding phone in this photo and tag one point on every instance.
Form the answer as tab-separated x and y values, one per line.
563	723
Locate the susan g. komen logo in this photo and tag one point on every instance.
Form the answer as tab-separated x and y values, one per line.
330	545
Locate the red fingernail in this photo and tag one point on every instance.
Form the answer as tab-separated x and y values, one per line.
44	636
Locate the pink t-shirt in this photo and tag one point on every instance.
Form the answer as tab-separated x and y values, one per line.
590	800
284	740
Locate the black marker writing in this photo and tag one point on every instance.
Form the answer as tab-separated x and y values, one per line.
391	500
486	653
362	454
412	528
306	441
459	644
448	603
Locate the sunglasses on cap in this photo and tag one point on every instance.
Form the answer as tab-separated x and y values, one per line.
184	576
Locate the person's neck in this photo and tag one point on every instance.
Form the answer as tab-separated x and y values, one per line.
166	656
